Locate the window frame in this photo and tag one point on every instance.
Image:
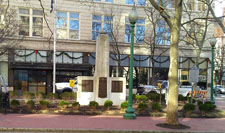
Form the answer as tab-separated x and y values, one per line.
30	21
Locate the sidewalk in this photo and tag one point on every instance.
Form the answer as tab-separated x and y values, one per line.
77	122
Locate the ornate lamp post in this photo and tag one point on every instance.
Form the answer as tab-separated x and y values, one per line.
133	16
213	43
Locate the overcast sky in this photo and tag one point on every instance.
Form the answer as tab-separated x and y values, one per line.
219	7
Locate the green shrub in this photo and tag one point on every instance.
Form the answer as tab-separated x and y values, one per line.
14	104
208	102
134	97
199	102
44	104
153	96
30	104
142	106
108	104
76	105
93	105
40	95
207	106
141	98
74	95
66	95
189	107
189	100
124	105
156	106
52	96
63	103
181	98
27	96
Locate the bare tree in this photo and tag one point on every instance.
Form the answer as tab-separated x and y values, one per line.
8	28
174	23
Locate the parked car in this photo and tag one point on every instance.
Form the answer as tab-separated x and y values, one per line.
183	89
65	87
219	89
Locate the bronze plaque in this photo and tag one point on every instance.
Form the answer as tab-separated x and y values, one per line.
102	92
87	85
117	86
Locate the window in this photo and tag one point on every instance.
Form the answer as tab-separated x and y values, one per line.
201	6
140	31
30	28
162	33
30	56
67	25
171	4
69	57
103	0
97	25
131	2
191	4
139	2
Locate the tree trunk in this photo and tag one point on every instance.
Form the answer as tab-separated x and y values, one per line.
172	109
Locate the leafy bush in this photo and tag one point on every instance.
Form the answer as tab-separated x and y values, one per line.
142	106
141	98
44	104
76	105
63	103
208	102
181	98
27	96
14	104
124	105
66	95
189	100
40	95
206	107
156	106
74	95
52	96
189	107
108	104
13	94
30	104
93	105
199	102
134	97
153	96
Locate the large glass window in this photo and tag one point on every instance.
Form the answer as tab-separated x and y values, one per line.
35	26
97	25
140	31
30	56
162	33
191	4
67	25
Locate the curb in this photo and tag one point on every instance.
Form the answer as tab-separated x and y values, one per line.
51	130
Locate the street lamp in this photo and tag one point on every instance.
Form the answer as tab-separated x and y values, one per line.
212	43
133	16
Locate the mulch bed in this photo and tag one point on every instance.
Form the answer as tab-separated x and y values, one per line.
165	125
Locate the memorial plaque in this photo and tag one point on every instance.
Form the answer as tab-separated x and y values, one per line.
117	86
102	92
87	85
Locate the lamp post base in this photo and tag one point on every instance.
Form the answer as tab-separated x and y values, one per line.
129	114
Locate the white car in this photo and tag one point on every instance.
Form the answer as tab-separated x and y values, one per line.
65	87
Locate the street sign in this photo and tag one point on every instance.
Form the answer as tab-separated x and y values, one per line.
194	74
72	83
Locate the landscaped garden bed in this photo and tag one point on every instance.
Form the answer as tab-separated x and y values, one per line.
144	105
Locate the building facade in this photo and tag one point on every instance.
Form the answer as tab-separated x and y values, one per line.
29	66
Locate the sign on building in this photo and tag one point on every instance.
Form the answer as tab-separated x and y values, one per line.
193	74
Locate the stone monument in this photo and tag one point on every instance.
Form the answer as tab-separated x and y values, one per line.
101	87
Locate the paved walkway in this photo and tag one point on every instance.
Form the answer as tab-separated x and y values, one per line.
78	122
104	122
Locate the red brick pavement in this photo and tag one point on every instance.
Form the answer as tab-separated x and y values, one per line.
104	122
